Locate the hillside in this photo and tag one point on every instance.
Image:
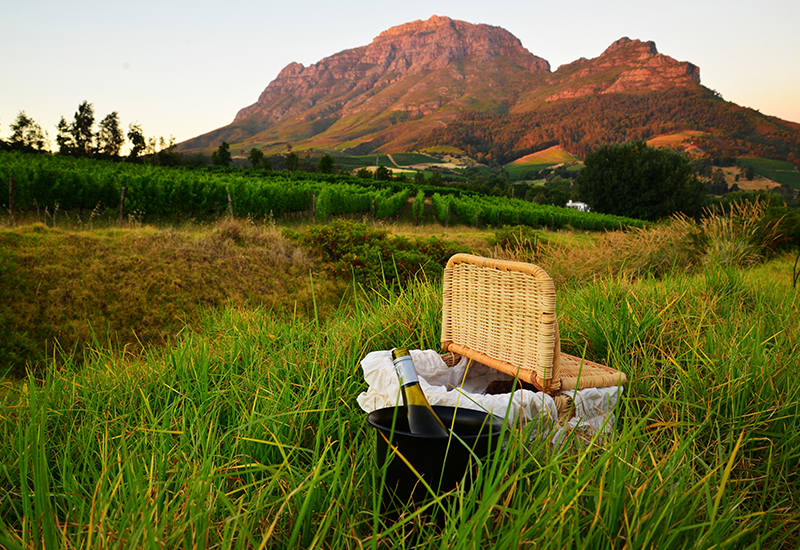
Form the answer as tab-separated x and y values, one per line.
443	82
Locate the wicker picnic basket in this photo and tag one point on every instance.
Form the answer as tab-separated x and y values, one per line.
503	314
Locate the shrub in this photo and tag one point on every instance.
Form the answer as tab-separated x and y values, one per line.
375	257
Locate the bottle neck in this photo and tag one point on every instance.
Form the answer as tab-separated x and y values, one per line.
404	367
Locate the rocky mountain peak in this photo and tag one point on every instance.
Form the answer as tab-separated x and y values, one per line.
646	48
422	75
625	65
417	48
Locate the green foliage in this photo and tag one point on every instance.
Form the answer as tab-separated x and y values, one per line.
81	129
718	185
64	140
775	226
110	137
26	134
136	137
333	201
634	180
382	173
326	164
375	257
475	209
419	206
156	192
520	238
782	172
256	158
292	162
441	205
222	156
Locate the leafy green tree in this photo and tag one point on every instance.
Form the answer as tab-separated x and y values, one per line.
325	164
64	139
292	162
419	178
137	139
27	134
256	158
81	129
110	137
222	156
364	174
435	179
718	184
382	173
634	180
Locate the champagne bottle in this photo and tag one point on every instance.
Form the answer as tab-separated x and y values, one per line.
421	418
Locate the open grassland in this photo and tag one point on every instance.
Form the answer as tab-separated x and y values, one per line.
675	140
541	159
244	432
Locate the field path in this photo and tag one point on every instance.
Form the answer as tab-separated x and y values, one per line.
392	159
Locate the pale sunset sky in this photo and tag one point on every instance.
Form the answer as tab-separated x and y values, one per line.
184	68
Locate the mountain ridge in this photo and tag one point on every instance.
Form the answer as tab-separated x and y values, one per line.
416	79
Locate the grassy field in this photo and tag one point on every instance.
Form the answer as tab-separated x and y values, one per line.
674	140
408	159
777	170
539	160
244	431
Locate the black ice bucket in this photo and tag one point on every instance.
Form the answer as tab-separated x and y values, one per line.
443	462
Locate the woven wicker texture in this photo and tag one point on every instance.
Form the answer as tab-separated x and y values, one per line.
503	314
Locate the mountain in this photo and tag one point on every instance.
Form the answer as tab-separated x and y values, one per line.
475	87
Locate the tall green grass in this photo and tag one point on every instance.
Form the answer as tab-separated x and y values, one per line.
246	434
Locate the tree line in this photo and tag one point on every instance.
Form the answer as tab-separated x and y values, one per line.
80	138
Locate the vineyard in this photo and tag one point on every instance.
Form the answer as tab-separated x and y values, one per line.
59	183
498	211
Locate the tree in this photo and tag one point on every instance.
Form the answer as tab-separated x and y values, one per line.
292	162
419	178
256	157
110	137
634	180
81	129
66	144
27	134
166	155
326	164
718	184
137	139
222	156
382	173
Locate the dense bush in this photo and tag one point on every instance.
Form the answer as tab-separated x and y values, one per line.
375	257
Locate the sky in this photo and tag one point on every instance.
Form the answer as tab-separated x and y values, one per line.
181	69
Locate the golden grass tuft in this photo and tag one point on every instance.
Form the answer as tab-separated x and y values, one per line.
735	237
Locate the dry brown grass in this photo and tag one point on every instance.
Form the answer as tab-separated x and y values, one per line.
134	287
727	239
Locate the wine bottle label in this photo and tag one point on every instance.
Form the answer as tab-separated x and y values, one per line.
404	367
